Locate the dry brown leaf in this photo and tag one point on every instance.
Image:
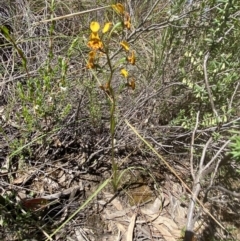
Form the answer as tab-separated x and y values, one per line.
166	221
121	228
149	220
131	227
117	204
114	215
156	206
153	208
170	224
165	233
24	176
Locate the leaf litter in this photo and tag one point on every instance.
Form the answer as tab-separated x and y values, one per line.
140	222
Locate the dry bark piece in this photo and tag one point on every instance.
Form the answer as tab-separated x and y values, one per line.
131	227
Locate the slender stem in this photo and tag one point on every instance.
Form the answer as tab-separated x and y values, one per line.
112	120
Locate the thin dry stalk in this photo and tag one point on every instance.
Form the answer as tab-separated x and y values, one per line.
192	143
71	15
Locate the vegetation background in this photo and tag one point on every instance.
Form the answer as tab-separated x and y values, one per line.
55	135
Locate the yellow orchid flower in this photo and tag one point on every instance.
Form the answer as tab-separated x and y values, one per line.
94	26
95	44
119	8
125	45
106	27
124	73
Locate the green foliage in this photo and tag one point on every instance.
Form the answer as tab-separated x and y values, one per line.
94	106
40	99
235	147
14	218
214	32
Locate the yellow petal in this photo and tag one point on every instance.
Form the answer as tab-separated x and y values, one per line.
119	8
94	36
94	26
106	27
124	73
125	45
